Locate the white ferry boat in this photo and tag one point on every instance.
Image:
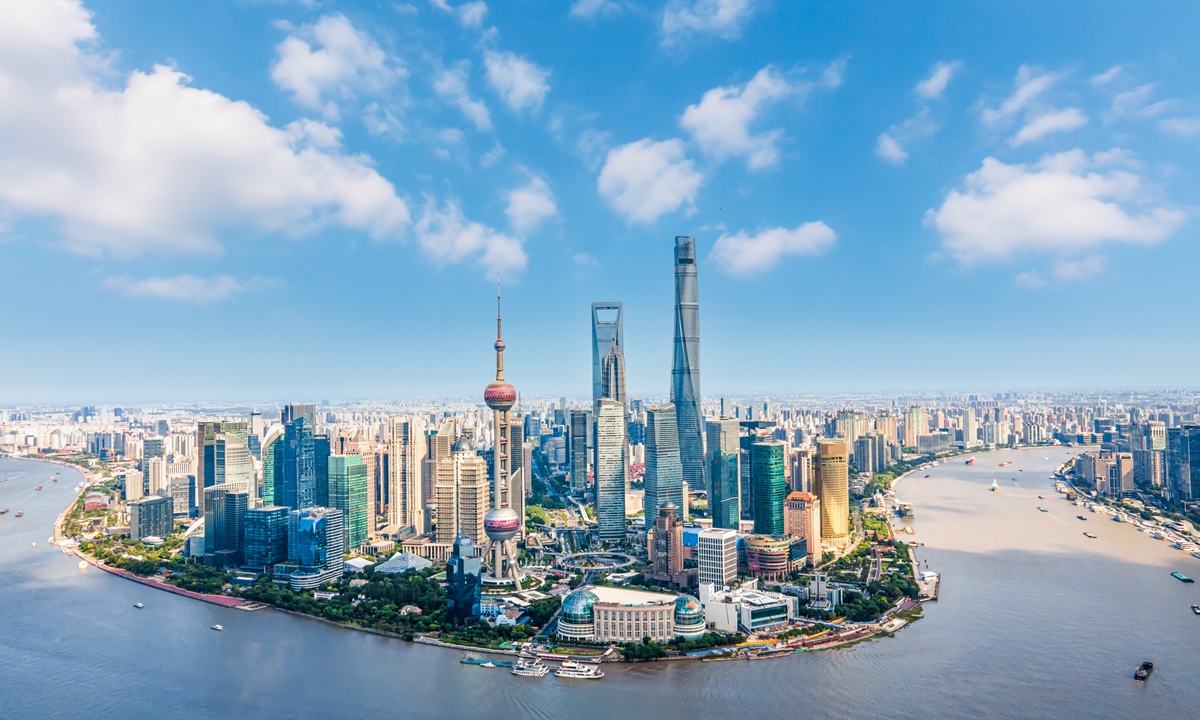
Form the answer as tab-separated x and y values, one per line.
578	671
534	668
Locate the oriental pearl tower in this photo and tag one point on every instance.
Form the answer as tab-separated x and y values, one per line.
502	522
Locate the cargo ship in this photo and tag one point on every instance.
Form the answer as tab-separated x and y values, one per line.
1181	577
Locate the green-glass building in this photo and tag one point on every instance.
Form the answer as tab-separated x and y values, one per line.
321	492
724	467
348	493
272	469
770	486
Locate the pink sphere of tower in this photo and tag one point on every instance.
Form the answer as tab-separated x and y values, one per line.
500	395
501	524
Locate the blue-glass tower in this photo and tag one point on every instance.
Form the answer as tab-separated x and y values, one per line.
685	369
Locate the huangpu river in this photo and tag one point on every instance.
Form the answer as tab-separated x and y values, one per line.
1034	621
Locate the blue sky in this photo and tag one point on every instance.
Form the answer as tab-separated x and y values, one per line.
270	200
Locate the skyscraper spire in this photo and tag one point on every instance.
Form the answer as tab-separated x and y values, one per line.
499	339
685	369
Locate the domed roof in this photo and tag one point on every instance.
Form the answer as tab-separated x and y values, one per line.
688	610
577	606
463	444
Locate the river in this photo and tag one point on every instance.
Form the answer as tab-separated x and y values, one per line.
1034	621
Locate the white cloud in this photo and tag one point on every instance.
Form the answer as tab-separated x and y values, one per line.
720	123
520	82
158	165
589	9
1052	122
491	157
1064	271
723	18
1136	103
1062	204
932	87
645	180
330	57
889	148
585	260
1186	126
890	145
468	14
1030	85
742	253
451	85
446	236
1107	76
381	121
185	288
528	206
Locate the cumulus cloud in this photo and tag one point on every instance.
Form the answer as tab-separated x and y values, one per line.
1066	203
1186	126
589	9
528	206
932	87
1030	84
519	82
645	180
468	14
446	236
723	18
742	253
330	57
156	164
891	145
720	122
185	288
1065	270
451	85
1052	122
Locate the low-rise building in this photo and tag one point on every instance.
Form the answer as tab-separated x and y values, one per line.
607	614
746	609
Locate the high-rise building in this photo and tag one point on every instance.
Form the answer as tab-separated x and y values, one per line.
831	485
579	454
321	452
225	509
802	520
864	454
610	469
461	494
724	451
135	481
502	523
206	436
608	328
265	536
915	425
665	545
464	582
315	543
233	465
272	467
438	443
802	462
183	492
348	493
717	556
299	458
156	476
970	428
151	448
406	505
685	368
663	480
770	486
151	517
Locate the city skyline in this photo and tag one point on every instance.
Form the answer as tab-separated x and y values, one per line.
913	115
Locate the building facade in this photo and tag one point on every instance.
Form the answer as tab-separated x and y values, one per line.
685	368
265	540
802	520
770	486
151	517
348	493
717	556
609	614
663	480
831	483
724	450
610	470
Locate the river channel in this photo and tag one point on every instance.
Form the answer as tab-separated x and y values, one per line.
1034	621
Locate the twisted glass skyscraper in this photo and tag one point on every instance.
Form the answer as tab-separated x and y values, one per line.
685	370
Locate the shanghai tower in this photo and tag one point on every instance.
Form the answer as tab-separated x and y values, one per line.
685	370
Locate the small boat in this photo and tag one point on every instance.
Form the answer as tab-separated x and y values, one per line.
39	487
926	476
139	606
995	487
1006	463
83	565
1181	577
1144	671
1041	498
970	461
32	544
1042	509
53	479
488	665
19	513
217	627
4	511
1196	609
1088	534
531	668
1081	517
50	540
